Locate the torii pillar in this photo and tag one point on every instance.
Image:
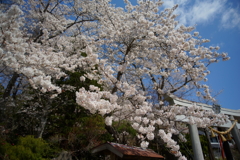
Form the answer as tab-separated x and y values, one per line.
235	134
193	131
197	148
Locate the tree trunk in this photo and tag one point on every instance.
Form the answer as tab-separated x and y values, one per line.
111	130
6	94
10	85
44	121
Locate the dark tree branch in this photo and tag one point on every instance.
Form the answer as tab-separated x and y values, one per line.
144	89
184	84
112	131
163	82
10	85
119	75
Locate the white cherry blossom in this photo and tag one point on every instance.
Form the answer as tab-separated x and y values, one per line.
141	56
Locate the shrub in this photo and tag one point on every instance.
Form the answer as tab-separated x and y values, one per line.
28	148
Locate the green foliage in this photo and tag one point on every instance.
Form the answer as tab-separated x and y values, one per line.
69	126
124	133
73	79
125	126
3	147
65	111
27	148
89	130
186	147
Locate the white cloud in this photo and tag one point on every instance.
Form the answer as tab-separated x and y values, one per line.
231	18
205	11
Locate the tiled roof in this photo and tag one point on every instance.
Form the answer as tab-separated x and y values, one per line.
127	150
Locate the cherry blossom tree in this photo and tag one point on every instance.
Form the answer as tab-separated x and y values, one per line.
144	48
128	51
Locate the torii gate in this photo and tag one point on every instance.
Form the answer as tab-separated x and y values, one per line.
193	130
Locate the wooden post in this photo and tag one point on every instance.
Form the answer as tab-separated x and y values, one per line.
236	135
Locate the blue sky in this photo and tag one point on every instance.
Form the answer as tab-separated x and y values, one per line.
219	21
